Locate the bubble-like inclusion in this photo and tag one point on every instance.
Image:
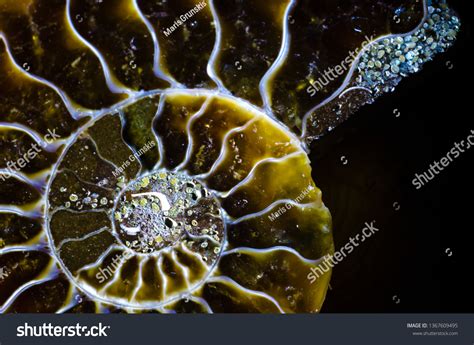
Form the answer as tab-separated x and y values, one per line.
164	209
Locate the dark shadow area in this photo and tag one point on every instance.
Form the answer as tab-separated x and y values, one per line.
420	259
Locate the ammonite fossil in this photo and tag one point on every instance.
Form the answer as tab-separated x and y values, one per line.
154	153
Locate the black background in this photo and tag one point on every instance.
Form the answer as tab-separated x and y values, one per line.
406	266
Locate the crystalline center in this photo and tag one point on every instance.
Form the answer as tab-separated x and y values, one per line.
158	210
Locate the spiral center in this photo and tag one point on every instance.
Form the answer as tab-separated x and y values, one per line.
163	209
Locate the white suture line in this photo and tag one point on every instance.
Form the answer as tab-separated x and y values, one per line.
123	123
164	278
105	189
66	307
23	248
63	208
97	152
191	121
21	289
109	79
99	260
51	275
36	213
197	256
215	51
354	88
164	310
203	302
80	239
225	146
38	183
157	51
142	261
73	301
75	113
37	243
256	112
45	146
102	308
115	277
202	237
270	207
274	249
229	281
355	63
161	149
19	212
183	269
251	174
285	47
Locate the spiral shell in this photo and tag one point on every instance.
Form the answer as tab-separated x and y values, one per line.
229	191
153	154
